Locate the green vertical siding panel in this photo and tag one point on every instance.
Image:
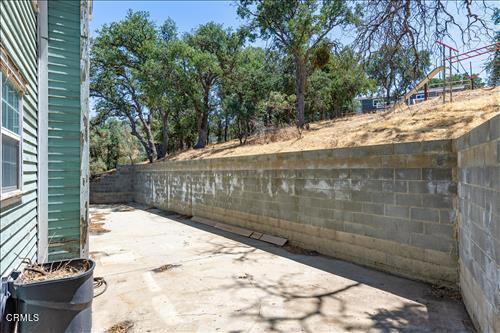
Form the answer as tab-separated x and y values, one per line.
64	129
18	222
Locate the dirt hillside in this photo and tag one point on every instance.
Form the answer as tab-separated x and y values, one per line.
429	120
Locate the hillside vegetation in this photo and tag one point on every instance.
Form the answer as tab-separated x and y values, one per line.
429	120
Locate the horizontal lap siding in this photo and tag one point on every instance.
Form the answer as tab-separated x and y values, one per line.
64	129
18	222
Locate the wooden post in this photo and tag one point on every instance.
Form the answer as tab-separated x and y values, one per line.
444	75
426	93
471	78
451	81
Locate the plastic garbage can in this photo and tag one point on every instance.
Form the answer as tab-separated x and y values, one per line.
57	306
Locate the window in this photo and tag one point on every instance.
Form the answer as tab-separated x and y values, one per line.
10	140
379	103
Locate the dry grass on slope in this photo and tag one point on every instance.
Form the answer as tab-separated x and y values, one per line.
430	120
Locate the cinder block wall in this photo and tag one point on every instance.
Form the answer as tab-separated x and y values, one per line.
115	186
479	247
391	207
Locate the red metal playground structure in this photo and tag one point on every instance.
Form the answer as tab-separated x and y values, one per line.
447	85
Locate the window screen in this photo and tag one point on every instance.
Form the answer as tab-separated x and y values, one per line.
10	164
11	136
10	107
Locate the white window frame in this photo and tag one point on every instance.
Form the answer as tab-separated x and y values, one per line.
379	103
13	193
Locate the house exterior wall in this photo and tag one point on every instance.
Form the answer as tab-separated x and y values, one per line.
18	220
42	132
67	144
85	14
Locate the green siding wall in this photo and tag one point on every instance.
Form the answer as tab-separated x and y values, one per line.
64	129
18	222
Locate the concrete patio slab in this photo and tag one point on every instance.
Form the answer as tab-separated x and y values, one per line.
166	273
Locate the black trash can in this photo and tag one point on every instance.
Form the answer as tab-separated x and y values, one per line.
56	306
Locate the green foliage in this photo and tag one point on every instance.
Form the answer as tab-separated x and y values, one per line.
205	57
111	144
297	27
321	56
459	79
157	92
246	89
118	56
334	87
279	108
391	67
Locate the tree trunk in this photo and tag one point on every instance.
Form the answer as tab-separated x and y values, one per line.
202	130
147	142
202	120
220	131
143	142
164	140
226	125
300	88
181	143
208	134
152	153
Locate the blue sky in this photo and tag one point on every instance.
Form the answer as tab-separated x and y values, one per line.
186	14
190	14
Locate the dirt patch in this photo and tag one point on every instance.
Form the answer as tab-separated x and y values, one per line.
98	229
445	292
164	268
167	213
431	120
245	276
36	272
97	254
96	226
161	212
97	217
121	327
298	250
184	217
123	208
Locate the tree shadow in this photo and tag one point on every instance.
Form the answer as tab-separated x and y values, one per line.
118	208
312	304
421	310
239	252
295	308
413	318
204	152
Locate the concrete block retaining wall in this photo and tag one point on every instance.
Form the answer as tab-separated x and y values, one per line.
389	206
479	196
113	187
393	207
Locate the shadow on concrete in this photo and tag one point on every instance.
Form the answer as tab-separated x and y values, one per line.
117	208
333	309
240	252
290	294
371	277
424	314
